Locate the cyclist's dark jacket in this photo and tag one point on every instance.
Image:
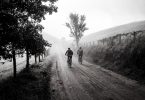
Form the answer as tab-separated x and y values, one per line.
69	53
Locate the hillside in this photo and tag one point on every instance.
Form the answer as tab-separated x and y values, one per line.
130	27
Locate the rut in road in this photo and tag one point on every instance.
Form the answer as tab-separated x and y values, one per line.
90	82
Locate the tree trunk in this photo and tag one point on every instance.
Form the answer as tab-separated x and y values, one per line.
27	58
35	58
42	56
134	36
77	43
120	39
14	62
39	58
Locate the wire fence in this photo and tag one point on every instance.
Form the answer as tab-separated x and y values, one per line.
119	39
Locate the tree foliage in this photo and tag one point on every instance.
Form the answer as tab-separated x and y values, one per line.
77	26
20	27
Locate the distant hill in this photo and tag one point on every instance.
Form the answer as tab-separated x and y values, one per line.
135	26
51	39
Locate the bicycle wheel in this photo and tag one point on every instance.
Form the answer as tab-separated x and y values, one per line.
69	62
80	59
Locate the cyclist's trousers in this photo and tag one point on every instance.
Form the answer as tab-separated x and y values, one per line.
69	58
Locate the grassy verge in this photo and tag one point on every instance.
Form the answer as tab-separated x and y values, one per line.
125	58
30	84
121	67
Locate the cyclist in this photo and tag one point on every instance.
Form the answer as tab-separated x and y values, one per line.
80	54
69	54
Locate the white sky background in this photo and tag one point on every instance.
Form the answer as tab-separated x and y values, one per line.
100	14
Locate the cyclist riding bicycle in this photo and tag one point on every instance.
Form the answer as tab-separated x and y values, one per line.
69	54
80	54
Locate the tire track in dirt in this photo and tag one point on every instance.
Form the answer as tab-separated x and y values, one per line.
98	89
105	85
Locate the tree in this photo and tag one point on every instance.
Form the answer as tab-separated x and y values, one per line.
33	42
16	15
9	37
33	14
77	26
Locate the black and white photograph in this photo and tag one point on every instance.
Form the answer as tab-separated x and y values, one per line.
72	49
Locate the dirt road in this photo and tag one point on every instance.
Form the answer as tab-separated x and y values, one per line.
89	81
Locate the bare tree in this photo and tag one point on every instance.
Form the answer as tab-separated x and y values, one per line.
77	26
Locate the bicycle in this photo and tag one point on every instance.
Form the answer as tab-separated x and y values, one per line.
69	61
80	59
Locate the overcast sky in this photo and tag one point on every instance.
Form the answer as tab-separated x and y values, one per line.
100	14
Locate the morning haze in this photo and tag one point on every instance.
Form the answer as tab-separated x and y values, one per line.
100	14
72	49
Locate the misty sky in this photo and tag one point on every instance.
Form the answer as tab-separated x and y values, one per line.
100	14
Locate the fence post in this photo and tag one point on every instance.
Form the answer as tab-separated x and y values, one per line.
119	38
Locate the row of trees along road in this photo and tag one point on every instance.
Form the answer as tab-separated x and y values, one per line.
77	26
20	28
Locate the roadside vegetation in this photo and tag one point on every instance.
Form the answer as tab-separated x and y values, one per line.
122	53
30	84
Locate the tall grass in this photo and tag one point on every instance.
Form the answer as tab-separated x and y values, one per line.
126	57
